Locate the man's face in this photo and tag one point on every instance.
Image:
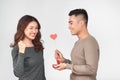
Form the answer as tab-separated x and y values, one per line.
74	25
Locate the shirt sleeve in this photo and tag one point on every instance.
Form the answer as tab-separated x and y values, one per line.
67	61
91	51
18	62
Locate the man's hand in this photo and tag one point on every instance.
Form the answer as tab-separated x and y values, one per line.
60	66
59	56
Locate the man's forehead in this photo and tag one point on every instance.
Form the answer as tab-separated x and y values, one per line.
72	17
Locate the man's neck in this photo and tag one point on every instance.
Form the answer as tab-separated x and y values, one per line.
83	35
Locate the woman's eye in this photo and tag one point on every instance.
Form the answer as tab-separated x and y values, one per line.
36	28
30	28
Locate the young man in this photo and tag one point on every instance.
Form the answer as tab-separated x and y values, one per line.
85	53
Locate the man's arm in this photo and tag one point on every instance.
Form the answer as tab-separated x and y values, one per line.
91	51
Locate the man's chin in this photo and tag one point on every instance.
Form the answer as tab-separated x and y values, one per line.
73	33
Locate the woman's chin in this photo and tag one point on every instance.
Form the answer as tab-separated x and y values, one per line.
32	38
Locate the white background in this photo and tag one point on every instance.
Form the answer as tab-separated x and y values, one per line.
104	25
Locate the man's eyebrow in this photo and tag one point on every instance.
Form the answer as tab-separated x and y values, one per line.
69	21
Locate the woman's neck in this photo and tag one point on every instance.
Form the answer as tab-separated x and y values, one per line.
28	42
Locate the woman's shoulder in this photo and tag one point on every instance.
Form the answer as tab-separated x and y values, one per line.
14	49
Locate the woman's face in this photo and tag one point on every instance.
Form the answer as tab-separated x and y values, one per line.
31	30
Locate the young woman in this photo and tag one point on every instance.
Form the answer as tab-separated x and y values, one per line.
27	52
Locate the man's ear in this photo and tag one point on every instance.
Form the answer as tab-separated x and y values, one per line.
81	22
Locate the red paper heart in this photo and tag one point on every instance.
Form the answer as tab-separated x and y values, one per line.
53	36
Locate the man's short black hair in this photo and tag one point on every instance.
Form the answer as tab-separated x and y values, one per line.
77	12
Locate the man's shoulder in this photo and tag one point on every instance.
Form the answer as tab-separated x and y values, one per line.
91	40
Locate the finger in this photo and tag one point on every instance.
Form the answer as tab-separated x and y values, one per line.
21	44
59	53
55	66
56	54
59	68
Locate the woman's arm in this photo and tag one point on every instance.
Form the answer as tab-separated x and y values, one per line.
18	62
